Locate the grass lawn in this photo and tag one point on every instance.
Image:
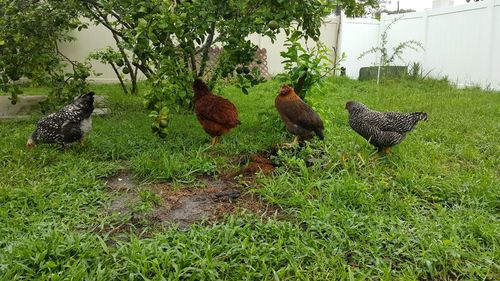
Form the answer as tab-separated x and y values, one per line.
428	211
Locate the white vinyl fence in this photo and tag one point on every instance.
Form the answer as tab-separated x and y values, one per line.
357	36
461	43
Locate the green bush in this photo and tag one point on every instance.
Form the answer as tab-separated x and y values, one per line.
30	33
171	41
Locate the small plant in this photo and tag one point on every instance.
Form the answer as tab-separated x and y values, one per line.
387	58
160	123
150	198
167	91
298	159
305	67
417	72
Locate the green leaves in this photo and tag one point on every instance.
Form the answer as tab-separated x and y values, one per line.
160	123
170	42
29	36
305	66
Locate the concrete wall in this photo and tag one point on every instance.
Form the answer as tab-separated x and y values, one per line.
90	40
98	37
274	59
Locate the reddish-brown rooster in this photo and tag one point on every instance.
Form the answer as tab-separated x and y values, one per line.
217	115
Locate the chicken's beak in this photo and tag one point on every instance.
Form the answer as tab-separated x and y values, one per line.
30	144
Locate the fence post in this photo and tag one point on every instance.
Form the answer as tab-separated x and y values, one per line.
490	34
381	28
338	41
425	18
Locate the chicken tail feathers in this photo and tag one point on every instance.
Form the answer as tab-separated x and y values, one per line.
85	97
85	103
421	115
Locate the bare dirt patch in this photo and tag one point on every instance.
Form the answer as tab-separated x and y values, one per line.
217	198
186	205
122	181
209	200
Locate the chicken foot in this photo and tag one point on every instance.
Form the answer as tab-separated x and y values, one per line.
215	140
293	143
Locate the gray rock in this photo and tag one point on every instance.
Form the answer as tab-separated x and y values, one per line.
27	105
101	111
24	106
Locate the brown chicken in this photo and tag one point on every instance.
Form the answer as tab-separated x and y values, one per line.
299	118
217	115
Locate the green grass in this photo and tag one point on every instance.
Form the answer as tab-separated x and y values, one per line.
428	211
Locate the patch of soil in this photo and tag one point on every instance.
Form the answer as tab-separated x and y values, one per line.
217	198
122	181
186	205
122	204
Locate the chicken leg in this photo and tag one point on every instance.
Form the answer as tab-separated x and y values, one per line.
215	140
291	144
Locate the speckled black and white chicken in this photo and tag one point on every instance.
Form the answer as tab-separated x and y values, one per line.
382	129
70	124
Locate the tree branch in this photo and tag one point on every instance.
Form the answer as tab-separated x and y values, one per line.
206	49
193	63
73	64
133	73
119	78
101	18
